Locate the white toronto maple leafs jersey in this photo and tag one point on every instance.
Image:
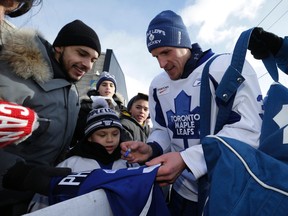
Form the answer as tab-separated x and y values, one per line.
175	112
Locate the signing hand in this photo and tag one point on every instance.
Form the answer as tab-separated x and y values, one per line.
171	167
135	151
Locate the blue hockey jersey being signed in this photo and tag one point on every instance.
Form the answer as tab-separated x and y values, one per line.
130	191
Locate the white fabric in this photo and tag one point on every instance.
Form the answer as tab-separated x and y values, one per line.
93	203
187	130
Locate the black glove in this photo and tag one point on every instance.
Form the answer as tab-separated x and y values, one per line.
263	43
25	177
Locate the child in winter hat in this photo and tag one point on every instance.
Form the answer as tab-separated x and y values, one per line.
100	148
77	33
109	95
106	76
101	118
101	142
167	29
95	98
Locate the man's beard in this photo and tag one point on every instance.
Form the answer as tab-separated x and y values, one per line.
65	71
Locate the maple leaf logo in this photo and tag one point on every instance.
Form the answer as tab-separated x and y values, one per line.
184	123
281	120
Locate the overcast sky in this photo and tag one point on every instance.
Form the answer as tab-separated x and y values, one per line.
121	25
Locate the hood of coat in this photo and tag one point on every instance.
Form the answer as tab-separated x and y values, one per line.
26	54
119	98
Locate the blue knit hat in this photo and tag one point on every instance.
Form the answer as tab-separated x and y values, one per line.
167	29
106	76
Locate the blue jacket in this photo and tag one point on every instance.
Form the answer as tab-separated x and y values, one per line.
254	181
282	56
260	188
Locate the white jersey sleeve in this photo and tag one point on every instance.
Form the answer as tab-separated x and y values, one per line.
247	107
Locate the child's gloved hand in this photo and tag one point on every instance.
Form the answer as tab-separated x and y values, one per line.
26	177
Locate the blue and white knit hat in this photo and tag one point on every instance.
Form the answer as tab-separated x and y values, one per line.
167	29
101	118
106	76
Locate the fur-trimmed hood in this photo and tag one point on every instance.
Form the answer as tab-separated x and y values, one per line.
26	54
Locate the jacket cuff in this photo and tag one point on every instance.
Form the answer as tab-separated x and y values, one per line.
156	150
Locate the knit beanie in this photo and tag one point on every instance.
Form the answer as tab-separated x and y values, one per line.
77	33
101	118
167	29
106	76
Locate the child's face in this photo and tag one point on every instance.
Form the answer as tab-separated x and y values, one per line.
107	137
107	88
139	110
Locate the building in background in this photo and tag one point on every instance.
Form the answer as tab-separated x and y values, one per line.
107	62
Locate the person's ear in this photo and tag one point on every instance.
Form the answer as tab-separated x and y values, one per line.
58	49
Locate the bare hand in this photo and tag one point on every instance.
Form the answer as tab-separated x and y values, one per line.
135	151
171	167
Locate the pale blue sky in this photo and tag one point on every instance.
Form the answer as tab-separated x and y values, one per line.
121	26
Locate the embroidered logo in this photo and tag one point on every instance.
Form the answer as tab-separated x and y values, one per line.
152	36
197	82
